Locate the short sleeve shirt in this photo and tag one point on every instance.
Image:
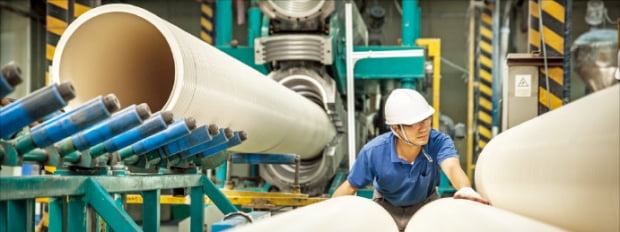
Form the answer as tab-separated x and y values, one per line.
400	182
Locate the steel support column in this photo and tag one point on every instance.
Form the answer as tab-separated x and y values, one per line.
150	209
77	214
223	22
554	82
57	207
196	209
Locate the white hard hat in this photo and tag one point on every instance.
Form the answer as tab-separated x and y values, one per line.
406	106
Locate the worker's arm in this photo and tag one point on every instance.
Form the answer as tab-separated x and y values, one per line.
459	180
345	189
455	173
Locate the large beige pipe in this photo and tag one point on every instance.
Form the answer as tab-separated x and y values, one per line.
140	57
449	215
346	213
561	168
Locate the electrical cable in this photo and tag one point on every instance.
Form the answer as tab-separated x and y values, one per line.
398	8
607	17
455	66
544	50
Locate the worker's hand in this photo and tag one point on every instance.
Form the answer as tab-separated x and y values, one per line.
469	194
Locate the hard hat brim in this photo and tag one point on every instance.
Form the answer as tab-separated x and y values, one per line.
413	120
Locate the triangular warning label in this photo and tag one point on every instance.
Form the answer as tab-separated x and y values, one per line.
523	83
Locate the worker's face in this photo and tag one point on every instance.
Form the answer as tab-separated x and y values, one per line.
418	133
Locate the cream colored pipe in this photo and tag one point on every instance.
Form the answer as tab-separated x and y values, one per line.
346	213
140	57
449	215
562	167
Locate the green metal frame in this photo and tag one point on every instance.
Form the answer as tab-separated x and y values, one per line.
391	68
223	22
73	197
223	34
18	207
405	69
411	22
398	68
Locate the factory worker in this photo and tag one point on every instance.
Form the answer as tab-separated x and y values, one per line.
403	164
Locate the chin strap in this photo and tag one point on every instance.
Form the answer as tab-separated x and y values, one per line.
406	140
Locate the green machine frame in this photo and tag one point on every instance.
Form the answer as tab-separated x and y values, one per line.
405	63
76	200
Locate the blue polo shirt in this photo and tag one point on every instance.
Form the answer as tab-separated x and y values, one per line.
400	182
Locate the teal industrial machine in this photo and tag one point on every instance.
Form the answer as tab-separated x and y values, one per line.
324	51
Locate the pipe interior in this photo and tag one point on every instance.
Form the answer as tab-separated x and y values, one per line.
119	53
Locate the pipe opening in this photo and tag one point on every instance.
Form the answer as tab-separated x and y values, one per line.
118	53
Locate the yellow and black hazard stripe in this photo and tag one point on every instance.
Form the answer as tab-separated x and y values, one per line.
206	21
81	6
57	19
556	33
59	14
485	76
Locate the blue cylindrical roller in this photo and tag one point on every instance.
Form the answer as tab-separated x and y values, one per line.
10	76
79	120
198	136
91	103
118	123
174	131
235	140
241	158
33	107
156	123
221	138
214	132
51	116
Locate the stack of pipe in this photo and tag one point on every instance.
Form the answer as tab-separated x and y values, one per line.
347	213
557	171
466	215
